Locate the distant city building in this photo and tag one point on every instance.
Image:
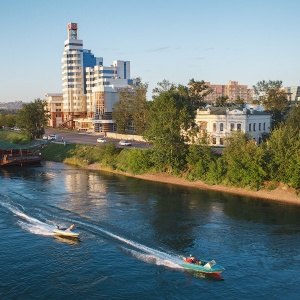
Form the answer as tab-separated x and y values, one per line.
293	94
89	89
233	90
219	122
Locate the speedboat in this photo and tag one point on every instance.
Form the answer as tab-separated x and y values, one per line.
65	232
204	266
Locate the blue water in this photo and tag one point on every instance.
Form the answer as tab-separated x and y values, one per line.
133	236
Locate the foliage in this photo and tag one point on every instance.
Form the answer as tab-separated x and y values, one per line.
293	118
273	98
283	150
217	171
82	155
198	90
8	120
199	159
244	162
221	100
107	154
169	115
132	107
135	161
33	118
262	88
239	101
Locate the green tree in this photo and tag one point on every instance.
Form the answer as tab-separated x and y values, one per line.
293	118
245	162
283	152
262	88
122	111
198	90
221	100
199	159
132	108
273	98
171	113
239	101
140	108
33	118
10	120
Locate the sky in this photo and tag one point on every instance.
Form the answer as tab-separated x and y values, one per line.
213	40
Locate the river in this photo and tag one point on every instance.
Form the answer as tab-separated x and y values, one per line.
133	234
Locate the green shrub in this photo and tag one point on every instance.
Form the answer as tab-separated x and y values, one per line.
135	161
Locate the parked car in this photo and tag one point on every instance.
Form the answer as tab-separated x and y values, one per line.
101	140
125	143
51	137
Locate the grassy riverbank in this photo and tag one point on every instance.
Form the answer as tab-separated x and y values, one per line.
130	162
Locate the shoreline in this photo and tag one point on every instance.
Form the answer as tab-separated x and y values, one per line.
281	194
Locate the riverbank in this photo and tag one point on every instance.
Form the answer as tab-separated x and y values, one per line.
282	193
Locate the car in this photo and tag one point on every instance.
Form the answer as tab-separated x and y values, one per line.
52	137
101	140
125	143
45	137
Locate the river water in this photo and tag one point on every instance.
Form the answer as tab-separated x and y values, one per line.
133	235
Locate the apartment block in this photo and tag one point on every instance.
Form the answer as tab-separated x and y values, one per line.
233	90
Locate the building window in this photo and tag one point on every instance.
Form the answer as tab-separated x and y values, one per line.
214	141
239	127
264	126
214	127
221	141
259	126
250	127
231	126
254	129
221	126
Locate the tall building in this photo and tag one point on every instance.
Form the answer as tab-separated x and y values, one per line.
75	60
89	89
233	90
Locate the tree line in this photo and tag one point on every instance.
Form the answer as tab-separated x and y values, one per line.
168	123
31	119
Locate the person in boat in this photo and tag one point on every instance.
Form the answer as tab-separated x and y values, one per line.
192	259
65	229
71	227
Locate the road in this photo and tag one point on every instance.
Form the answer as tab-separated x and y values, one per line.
84	138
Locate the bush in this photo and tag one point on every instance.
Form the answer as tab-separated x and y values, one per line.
135	161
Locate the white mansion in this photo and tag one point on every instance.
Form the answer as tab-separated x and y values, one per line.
219	122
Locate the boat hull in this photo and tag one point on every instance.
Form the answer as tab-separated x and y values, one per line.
66	233
204	268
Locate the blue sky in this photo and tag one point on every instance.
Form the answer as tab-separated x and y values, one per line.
214	40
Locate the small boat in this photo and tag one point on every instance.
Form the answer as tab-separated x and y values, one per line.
204	266
66	232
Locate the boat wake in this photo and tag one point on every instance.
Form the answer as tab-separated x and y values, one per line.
26	222
159	260
139	251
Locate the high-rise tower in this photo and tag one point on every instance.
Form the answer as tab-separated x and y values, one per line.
74	104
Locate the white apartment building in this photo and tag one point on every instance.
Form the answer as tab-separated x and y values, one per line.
102	86
219	122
